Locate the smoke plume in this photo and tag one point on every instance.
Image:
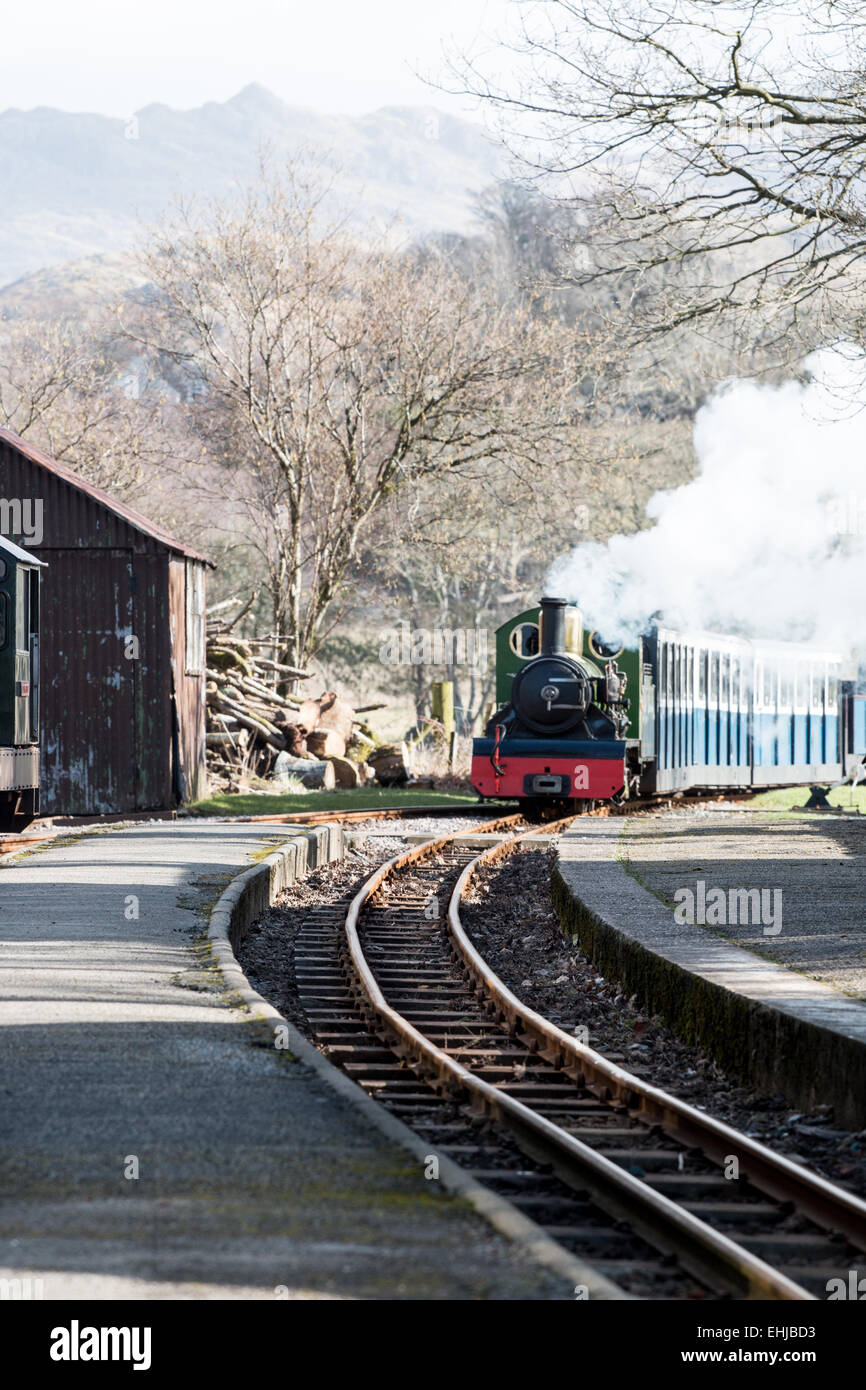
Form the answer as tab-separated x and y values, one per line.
769	539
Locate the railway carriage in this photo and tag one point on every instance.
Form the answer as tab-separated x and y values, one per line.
679	711
19	686
733	712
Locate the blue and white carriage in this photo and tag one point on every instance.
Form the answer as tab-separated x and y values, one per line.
703	710
734	712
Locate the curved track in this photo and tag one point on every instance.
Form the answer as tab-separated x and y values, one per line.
640	1182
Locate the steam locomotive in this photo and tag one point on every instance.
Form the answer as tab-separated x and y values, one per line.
19	686
581	719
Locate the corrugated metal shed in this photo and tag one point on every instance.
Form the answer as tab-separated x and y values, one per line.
123	679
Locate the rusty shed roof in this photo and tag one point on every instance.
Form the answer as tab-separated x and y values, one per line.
120	509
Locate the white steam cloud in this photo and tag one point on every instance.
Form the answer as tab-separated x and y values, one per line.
769	540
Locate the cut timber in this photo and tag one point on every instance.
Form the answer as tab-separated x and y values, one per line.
326	743
268	734
390	763
345	773
359	746
336	714
328	712
312	774
308	714
225	660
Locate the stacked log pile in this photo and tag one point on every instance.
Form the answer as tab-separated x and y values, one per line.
248	721
259	726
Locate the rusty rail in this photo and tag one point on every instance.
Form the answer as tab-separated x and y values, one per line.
827	1205
702	1250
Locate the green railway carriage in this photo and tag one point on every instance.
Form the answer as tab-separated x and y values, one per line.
19	686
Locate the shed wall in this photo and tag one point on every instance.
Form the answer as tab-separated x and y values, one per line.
88	685
189	692
112	623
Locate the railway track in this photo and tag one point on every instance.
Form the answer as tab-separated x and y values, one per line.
658	1196
45	828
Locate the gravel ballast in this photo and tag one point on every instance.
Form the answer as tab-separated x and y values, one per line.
511	918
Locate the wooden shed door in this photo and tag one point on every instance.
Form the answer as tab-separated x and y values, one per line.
89	758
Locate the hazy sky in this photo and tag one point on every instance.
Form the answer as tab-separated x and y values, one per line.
115	56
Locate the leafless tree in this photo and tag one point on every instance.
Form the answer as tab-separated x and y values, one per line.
331	376
475	547
64	386
717	150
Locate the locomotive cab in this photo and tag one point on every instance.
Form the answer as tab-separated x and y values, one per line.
19	686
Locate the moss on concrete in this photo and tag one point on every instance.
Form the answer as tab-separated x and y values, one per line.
776	1051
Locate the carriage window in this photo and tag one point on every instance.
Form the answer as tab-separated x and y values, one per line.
724	680
817	689
832	691
22	612
194	617
735	682
714	676
524	640
801	687
786	687
702	675
770	680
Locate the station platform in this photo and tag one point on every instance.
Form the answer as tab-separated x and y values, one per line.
772	984
151	1147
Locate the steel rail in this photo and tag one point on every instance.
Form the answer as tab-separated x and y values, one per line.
12	841
828	1206
705	1252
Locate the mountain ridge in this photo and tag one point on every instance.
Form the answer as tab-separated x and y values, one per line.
78	184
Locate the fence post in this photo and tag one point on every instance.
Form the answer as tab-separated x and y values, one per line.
442	704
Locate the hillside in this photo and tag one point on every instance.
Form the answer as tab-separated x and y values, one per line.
76	185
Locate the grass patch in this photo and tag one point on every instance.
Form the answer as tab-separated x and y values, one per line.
786	798
350	799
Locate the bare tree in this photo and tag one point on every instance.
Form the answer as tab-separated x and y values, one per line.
474	547
65	385
332	376
718	151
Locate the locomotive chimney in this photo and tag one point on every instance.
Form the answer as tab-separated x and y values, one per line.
553	626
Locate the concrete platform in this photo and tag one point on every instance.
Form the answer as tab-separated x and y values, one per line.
618	881
148	1146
